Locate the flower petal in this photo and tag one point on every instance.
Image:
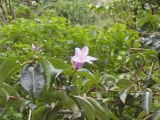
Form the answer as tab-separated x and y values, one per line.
88	61
78	52
85	51
33	47
75	59
90	58
78	65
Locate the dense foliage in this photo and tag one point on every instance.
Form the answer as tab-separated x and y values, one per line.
39	79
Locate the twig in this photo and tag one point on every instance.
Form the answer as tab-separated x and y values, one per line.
71	77
65	112
139	49
127	69
59	88
148	117
151	70
13	97
29	115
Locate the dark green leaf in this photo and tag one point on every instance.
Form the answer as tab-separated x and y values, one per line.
91	79
49	70
9	89
146	101
3	97
87	108
105	78
53	113
40	113
63	97
24	104
59	64
33	79
101	112
123	83
7	68
125	92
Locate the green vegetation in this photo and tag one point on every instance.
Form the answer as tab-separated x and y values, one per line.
40	80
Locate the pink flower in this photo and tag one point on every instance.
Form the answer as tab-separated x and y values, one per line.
81	56
33	47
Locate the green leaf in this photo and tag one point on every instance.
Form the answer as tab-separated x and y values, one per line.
33	79
123	83
91	79
24	104
62	96
141	115
53	113
40	113
49	70
59	64
3	97
146	101
125	92
9	89
105	78
100	112
101	9
32	105
87	108
7	68
156	115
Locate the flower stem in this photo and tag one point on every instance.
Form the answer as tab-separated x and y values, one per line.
71	77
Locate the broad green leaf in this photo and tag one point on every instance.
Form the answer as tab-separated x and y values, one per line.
105	78
156	115
91	79
49	70
123	83
59	64
24	104
53	113
9	67
9	89
32	105
100	112
125	92
68	101
85	73
87	108
33	79
146	101
89	83
3	97
40	113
